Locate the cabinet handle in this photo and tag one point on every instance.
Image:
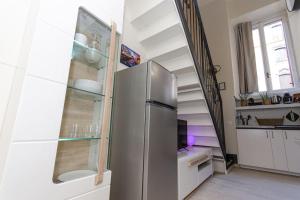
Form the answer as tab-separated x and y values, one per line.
267	134
272	134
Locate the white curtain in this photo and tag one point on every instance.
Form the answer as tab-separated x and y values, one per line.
246	58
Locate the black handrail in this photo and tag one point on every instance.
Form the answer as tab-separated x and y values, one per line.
193	27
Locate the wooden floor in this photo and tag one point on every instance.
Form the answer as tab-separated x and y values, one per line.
241	184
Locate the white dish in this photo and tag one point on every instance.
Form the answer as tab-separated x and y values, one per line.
88	85
92	55
68	176
81	38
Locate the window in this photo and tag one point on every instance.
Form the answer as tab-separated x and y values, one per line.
273	55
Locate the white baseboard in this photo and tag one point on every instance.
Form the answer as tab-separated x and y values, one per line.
269	170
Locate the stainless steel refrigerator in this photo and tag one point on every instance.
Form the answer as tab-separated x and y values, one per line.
143	156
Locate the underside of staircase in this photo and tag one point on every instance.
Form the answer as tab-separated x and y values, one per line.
161	33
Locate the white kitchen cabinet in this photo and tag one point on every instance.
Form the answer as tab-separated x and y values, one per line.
279	154
270	149
191	174
292	146
187	179
255	148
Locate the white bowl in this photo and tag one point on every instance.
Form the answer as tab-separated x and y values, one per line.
68	176
88	85
92	55
81	38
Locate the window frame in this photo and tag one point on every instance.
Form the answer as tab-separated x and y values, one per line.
260	24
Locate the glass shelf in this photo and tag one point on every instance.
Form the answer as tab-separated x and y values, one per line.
78	139
81	46
89	56
85	92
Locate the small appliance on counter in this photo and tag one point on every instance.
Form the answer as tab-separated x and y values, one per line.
296	98
276	99
287	98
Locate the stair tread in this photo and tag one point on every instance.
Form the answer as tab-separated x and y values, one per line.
190	100
197	119
187	86
153	12
152	35
184	70
191	96
156	53
189	90
146	12
192	113
176	60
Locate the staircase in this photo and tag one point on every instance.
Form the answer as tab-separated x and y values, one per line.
172	34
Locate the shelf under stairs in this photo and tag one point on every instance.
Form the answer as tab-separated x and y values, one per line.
161	34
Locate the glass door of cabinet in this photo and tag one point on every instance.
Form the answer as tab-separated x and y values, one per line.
80	134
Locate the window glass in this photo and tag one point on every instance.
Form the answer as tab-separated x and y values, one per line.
280	70
274	70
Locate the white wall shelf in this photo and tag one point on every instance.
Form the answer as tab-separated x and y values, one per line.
275	106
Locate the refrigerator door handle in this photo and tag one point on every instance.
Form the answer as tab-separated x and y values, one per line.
161	104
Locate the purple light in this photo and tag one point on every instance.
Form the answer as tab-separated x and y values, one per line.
191	140
191	134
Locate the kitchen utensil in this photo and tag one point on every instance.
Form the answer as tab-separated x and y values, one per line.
270	121
92	55
245	120
291	116
81	38
88	85
287	98
276	99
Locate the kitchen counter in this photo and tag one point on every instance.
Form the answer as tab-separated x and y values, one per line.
282	127
272	106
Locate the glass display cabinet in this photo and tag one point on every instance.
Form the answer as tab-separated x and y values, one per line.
81	133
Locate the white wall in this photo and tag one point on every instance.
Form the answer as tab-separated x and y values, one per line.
237	8
16	17
129	37
35	54
216	22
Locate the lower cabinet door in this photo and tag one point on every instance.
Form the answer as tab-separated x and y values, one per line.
187	179
292	145
279	154
99	194
255	148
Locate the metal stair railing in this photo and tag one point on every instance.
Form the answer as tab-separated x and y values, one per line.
194	30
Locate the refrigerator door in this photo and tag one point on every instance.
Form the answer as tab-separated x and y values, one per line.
160	161
161	85
128	127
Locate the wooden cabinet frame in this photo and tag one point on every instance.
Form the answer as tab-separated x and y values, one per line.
105	129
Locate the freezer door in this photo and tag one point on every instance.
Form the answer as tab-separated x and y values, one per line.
161	86
160	161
